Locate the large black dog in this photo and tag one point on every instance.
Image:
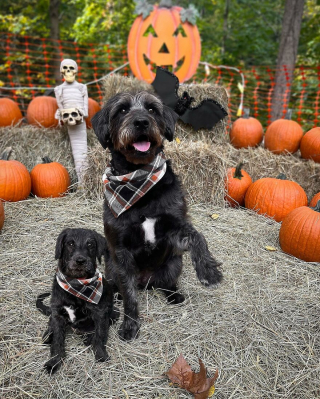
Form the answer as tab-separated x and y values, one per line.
145	213
80	296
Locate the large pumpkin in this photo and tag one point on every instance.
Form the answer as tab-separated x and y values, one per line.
246	132
41	111
162	39
275	197
283	135
236	185
10	114
49	179
93	108
310	145
15	181
1	215
299	233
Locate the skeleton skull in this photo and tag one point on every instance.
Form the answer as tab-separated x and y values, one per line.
71	116
69	69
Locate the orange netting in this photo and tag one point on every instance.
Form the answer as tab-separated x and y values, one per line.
28	65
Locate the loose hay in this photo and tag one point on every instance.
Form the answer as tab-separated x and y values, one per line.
260	327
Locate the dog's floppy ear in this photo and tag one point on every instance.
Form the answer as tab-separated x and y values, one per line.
60	243
100	122
101	245
170	118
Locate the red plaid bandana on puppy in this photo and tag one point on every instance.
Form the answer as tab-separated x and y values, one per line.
122	192
89	290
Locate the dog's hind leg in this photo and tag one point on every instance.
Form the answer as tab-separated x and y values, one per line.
57	325
207	268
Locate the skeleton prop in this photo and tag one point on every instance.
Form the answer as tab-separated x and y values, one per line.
72	99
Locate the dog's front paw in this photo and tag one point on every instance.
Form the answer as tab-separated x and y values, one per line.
129	329
209	273
52	365
101	354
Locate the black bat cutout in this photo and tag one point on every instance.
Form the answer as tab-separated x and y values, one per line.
205	115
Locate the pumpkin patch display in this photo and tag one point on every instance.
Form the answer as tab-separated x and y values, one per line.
283	136
49	179
299	233
236	185
310	145
10	114
41	111
164	35
1	215
15	181
93	108
246	131
314	200
275	197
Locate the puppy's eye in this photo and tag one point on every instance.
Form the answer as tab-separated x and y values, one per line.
90	244
71	244
123	111
151	110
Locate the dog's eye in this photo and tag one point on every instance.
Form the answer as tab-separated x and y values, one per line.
71	244
123	111
90	244
151	110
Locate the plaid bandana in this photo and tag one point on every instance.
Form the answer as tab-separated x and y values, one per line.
122	192
89	290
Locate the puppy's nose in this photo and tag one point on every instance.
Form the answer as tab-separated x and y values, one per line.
81	260
141	123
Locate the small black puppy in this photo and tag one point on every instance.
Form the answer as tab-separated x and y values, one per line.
145	213
80	296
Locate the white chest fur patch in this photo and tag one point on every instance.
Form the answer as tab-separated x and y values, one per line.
71	313
148	227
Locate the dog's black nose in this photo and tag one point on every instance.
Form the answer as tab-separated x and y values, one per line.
81	260
141	123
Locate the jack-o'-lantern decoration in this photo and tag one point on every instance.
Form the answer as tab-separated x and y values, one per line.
164	35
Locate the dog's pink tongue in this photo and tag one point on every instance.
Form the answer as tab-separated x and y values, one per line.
142	146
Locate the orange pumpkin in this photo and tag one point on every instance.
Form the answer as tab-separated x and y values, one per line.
1	215
15	181
246	131
275	197
10	114
283	135
236	185
49	179
299	233
314	200
41	111
310	145
162	39
93	108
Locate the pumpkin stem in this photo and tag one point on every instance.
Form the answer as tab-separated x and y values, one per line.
317	207
288	114
6	154
282	176
246	113
46	159
237	172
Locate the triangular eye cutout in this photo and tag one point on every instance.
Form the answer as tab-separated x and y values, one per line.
164	49
180	30
151	30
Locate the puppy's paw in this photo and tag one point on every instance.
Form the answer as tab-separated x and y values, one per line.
52	365
129	329
101	354
209	273
175	298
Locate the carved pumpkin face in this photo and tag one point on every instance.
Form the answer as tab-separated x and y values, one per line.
163	40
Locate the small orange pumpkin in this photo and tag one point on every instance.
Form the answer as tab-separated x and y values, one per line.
93	108
246	131
49	179
314	200
275	197
299	233
163	38
1	215
15	181
283	135
41	111
10	114
310	145
236	185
